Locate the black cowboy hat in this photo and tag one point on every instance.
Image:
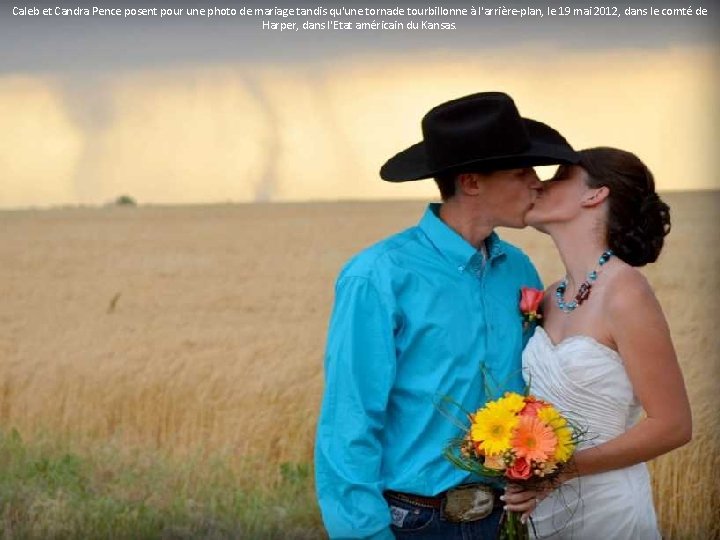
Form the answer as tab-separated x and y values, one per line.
480	132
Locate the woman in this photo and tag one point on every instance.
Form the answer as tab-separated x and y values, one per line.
605	351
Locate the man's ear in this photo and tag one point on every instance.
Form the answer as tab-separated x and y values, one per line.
468	183
595	196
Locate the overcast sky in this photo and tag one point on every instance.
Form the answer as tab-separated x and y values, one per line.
196	109
32	43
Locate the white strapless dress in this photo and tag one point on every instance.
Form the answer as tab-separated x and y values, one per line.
587	382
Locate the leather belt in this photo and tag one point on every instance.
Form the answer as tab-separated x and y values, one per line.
427	502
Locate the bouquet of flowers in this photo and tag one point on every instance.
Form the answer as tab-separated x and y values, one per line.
520	438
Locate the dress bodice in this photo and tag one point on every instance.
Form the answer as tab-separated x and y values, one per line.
585	380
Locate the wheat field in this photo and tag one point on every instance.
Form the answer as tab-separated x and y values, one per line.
200	329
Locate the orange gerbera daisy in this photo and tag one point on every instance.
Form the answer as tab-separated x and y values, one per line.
533	439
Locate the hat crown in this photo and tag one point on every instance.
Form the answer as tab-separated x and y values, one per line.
476	133
474	127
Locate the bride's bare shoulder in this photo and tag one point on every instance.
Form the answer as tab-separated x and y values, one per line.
628	290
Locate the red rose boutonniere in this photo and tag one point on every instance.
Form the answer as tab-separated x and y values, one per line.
530	301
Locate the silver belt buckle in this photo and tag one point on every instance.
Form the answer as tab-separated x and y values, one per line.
469	502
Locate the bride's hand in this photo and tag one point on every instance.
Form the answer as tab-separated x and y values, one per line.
522	500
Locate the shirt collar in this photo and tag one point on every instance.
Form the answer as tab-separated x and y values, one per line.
451	245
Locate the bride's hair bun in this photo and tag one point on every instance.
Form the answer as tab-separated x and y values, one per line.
638	219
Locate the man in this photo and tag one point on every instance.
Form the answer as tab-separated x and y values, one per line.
427	314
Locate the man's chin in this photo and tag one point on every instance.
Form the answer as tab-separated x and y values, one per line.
528	217
514	225
534	224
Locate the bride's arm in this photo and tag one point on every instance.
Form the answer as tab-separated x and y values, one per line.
637	325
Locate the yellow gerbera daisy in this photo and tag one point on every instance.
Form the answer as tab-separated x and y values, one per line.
511	401
565	446
551	417
493	428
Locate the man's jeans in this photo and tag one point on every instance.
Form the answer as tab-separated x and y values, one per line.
414	521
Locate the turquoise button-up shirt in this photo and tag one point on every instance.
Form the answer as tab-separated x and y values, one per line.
419	316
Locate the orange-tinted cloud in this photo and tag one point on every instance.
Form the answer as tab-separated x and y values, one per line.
321	131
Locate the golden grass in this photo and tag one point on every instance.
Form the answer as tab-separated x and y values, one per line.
186	329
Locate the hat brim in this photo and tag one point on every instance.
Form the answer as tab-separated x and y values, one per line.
412	163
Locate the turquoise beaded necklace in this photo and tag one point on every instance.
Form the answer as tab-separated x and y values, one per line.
584	290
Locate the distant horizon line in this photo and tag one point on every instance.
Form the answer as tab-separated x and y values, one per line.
113	204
